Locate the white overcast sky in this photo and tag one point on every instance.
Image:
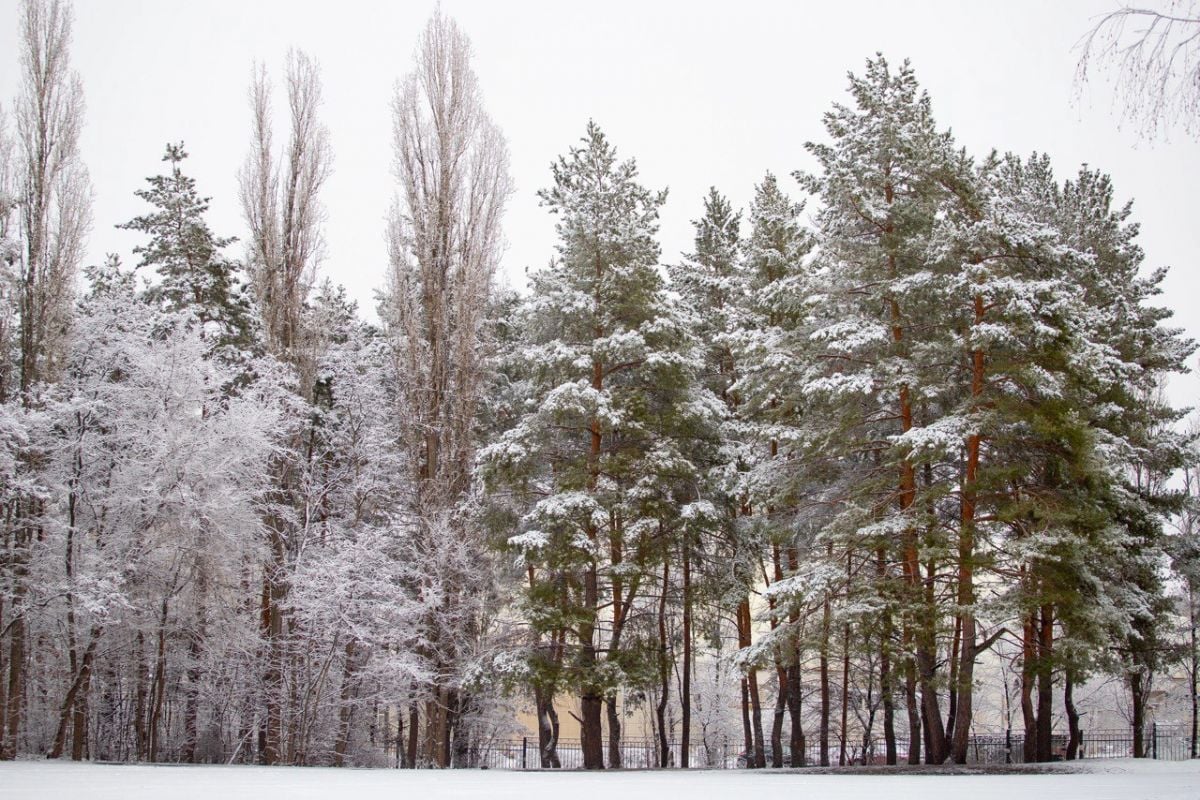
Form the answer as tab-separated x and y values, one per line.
700	93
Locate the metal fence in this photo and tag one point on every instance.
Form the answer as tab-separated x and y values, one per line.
1168	743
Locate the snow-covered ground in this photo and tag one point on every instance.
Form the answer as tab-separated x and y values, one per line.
1100	780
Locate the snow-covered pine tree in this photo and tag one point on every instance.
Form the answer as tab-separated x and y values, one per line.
710	284
193	274
868	370
771	535
601	456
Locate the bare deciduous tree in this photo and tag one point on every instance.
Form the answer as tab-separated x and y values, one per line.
280	201
451	166
1155	55
53	195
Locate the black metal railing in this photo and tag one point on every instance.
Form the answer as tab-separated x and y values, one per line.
1168	743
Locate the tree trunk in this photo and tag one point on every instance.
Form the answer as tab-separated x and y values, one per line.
1137	696
192	700
664	683
824	667
1028	678
931	715
1194	671
843	732
955	650
16	681
781	699
74	703
760	750
887	688
912	709
158	687
795	716
413	724
685	691
1076	735
140	699
758	755
964	682
346	711
273	633
547	728
614	732
887	692
1045	701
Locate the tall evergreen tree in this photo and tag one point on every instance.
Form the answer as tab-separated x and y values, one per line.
193	274
602	456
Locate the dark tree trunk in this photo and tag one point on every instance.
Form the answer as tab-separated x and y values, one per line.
1137	696
141	695
955	645
823	744
196	644
931	715
16	674
747	731
664	674
591	706
760	750
889	702
346	710
913	711
1194	670
1076	735
1045	701
781	699
75	706
756	752
1028	679
795	715
413	740
547	728
887	687
614	732
158	687
843	733
685	691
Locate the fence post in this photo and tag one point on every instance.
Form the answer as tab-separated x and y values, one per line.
1154	739
1082	749
524	751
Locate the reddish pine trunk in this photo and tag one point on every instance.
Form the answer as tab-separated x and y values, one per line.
964	684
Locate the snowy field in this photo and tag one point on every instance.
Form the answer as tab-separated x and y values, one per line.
1100	780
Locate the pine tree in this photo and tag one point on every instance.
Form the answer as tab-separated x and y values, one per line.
711	286
193	274
601	456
